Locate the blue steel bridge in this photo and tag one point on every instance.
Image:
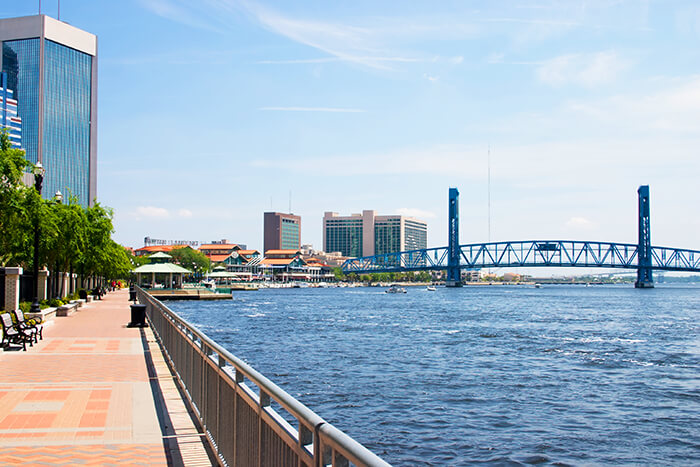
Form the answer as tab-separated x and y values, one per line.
535	253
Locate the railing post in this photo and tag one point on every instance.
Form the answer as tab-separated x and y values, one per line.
644	277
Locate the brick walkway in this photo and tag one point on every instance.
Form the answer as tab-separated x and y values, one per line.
94	392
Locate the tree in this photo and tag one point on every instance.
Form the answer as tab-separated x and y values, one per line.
338	273
188	258
15	221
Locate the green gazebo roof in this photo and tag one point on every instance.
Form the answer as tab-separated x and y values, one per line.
161	268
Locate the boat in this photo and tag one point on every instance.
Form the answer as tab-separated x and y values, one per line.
209	284
431	288
537	286
395	289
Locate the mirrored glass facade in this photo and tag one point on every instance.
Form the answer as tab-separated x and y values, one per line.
20	60
290	234
66	135
344	235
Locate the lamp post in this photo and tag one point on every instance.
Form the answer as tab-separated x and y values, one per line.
38	172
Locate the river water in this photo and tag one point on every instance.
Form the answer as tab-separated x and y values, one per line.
564	375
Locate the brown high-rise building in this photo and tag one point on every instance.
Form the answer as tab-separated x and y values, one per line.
281	231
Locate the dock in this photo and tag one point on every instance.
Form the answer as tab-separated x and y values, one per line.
188	294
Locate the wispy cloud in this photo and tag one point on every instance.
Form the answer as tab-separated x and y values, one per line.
582	69
311	109
339	59
179	13
151	212
579	223
154	212
674	109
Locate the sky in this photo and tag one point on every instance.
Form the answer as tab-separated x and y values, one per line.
215	111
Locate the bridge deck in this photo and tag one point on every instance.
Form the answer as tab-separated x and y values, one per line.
530	253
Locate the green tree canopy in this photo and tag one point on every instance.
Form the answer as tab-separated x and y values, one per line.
15	220
188	258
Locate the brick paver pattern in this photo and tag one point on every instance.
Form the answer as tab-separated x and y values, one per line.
83	394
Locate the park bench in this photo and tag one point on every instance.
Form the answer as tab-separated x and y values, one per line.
12	334
32	325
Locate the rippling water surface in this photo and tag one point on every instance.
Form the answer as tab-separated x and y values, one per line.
489	374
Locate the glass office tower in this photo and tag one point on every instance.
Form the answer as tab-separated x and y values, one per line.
281	231
8	113
367	234
52	68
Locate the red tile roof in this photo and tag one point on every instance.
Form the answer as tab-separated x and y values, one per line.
277	261
281	252
218	246
218	258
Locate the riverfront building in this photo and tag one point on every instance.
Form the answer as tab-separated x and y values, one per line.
281	231
367	234
52	68
8	113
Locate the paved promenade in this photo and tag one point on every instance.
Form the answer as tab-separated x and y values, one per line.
94	392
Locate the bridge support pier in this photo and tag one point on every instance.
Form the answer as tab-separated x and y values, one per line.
644	277
454	273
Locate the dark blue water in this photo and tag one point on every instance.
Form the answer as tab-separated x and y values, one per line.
494	374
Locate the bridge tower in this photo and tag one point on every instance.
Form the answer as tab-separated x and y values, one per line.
454	275
644	277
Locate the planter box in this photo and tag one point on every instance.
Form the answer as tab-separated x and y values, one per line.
67	310
45	314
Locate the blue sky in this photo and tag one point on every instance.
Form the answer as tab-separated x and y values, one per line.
212	112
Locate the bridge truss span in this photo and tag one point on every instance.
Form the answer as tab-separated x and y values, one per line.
531	253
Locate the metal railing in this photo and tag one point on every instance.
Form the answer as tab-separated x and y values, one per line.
241	425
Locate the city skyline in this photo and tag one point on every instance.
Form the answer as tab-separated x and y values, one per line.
390	105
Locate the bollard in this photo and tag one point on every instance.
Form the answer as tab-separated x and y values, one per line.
138	316
132	294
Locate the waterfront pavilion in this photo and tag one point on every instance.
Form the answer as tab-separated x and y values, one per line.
167	275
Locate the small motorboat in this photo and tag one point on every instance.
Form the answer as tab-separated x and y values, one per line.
537	286
395	289
431	288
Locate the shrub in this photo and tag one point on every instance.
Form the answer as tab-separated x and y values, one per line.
55	302
25	306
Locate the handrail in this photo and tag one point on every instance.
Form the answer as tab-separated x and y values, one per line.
259	434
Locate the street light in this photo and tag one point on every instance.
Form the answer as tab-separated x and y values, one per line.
58	197
38	172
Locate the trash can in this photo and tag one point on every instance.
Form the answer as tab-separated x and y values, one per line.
138	316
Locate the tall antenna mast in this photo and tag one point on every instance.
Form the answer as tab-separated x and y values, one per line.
489	192
39	6
59	10
290	201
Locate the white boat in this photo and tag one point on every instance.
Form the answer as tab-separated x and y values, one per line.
431	288
209	284
395	289
537	286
